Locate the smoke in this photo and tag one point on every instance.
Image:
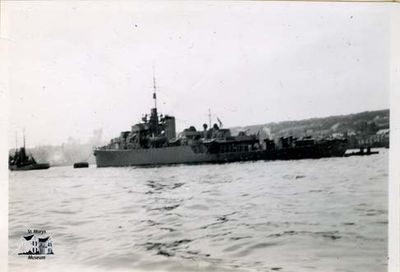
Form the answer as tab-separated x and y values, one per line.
265	133
96	138
70	152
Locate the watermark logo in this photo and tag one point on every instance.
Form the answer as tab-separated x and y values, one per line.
36	244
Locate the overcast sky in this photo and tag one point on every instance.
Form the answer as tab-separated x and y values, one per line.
80	66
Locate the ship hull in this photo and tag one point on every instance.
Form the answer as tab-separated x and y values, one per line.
37	166
186	155
168	155
326	149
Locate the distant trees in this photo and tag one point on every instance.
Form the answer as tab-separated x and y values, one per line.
364	127
364	123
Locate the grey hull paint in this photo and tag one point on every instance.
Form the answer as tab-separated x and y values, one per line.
186	155
151	156
167	155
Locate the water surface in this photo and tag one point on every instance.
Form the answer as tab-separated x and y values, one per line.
307	215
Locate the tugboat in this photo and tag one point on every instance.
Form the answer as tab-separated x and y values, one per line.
154	142
21	161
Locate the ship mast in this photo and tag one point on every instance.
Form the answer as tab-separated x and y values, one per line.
24	138
154	90
155	102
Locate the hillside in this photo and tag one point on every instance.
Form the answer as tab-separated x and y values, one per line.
362	124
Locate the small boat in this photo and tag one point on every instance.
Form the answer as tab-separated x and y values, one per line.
81	165
20	161
37	166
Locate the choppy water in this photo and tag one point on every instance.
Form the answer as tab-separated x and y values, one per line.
307	215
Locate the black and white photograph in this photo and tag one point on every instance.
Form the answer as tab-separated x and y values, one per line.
199	136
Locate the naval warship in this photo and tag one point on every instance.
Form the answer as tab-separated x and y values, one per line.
154	142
